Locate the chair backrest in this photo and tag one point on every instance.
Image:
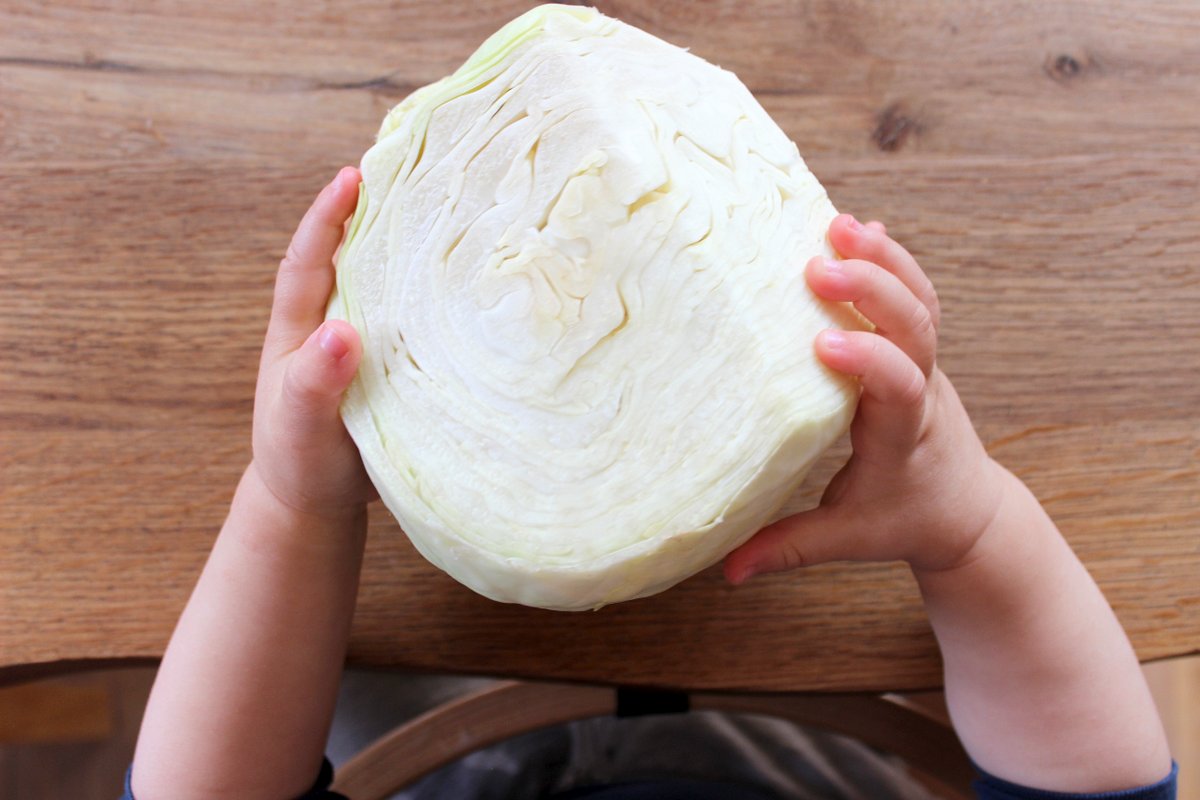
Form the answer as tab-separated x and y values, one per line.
917	732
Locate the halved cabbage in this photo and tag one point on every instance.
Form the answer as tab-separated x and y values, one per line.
577	270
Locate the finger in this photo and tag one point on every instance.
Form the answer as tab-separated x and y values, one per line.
893	401
880	297
854	240
877	225
808	538
315	378
305	278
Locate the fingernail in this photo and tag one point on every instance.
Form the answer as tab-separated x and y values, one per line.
333	345
854	224
833	340
832	265
748	573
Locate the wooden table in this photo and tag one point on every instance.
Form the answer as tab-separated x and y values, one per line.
1041	160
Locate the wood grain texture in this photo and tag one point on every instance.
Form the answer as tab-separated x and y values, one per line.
80	770
506	709
1040	160
46	712
1175	684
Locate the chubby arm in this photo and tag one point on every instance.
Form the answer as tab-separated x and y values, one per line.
243	700
1043	686
242	703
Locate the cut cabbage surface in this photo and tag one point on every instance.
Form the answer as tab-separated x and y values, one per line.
577	269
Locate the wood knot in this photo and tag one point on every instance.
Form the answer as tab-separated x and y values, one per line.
1064	67
893	128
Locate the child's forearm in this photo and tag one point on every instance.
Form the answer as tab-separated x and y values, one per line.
245	694
1042	683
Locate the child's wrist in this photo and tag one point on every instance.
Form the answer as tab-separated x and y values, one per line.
328	512
278	519
971	533
1016	539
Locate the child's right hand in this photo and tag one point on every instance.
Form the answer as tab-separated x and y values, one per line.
1041	681
919	486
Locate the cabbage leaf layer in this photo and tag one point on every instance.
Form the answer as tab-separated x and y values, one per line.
577	269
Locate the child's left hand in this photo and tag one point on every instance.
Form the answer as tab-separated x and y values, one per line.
302	454
245	693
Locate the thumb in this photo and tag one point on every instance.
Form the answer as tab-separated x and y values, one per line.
811	537
318	373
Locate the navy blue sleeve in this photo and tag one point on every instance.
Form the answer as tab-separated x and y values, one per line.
989	787
319	790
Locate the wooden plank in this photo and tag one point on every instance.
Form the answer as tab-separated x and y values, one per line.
1026	295
845	624
80	770
50	712
1040	161
1176	688
1070	78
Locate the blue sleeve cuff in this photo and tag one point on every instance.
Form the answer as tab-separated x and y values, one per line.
989	787
319	790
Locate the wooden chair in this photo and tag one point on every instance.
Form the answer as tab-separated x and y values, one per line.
912	727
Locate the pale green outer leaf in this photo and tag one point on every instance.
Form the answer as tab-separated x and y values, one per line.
577	270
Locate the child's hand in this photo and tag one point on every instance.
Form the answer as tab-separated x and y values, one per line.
246	690
919	486
302	453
